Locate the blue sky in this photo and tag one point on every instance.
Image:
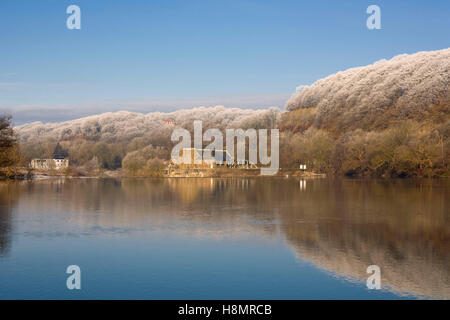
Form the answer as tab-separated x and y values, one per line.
165	55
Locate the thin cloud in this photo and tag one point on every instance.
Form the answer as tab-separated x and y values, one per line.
45	113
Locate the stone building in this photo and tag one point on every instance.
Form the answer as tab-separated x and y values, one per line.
193	158
57	163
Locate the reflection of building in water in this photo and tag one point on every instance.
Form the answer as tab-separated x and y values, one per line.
302	183
194	190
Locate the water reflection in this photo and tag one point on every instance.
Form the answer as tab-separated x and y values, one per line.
7	202
302	183
340	226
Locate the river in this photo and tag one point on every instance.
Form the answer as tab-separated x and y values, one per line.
211	238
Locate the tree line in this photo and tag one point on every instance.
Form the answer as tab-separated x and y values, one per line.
10	158
406	148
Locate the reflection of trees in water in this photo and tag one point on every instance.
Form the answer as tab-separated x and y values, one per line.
186	204
7	201
341	226
400	226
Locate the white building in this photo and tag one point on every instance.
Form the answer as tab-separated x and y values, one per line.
48	164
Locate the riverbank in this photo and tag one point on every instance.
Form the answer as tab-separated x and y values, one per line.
72	172
237	172
15	173
28	174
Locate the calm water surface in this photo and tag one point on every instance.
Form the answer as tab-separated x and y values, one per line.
260	238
